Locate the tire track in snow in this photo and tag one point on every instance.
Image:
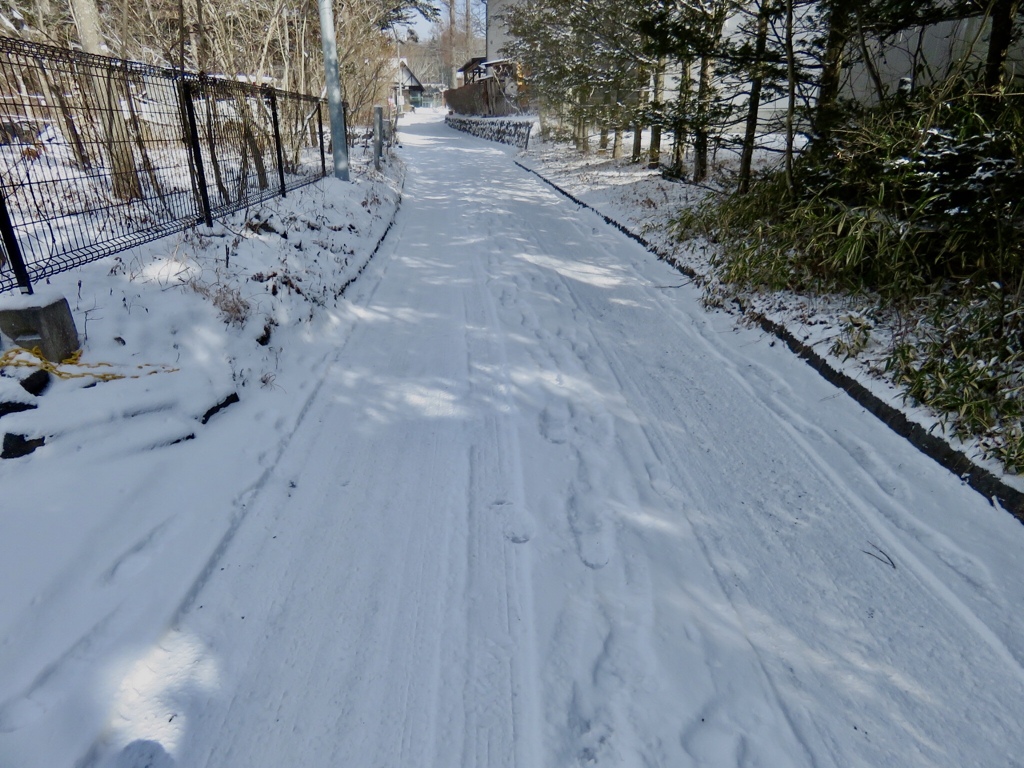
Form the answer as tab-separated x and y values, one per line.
703	740
888	516
601	647
719	741
586	429
502	725
355	635
594	727
177	650
885	511
629	377
696	740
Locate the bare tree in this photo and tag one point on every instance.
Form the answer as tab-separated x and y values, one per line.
108	95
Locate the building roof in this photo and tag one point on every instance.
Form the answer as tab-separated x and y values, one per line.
407	78
472	64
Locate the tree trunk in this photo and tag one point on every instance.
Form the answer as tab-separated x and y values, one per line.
147	164
117	138
211	145
678	153
202	60
242	107
638	132
679	125
268	38
604	137
123	174
706	94
451	43
581	135
53	92
181	35
832	63
700	133
791	93
869	63
654	153
754	103
1004	13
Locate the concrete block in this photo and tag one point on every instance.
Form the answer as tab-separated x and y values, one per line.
47	325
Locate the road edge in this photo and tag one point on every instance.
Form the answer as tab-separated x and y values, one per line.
982	480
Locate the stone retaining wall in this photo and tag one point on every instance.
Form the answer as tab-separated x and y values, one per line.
513	132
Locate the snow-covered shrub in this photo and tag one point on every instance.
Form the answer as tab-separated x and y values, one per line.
909	201
965	359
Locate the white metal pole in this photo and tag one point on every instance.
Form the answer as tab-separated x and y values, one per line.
339	138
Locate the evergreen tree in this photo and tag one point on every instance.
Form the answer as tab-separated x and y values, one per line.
583	60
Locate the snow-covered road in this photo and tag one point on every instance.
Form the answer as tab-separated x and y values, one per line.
545	510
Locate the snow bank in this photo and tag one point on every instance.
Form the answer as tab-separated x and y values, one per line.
172	332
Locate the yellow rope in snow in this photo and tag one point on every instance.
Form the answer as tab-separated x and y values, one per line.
19	357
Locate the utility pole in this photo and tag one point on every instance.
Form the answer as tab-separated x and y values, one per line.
339	135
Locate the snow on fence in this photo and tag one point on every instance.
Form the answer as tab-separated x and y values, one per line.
513	132
99	154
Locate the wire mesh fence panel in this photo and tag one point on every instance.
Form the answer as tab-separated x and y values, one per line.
98	155
236	139
93	159
303	120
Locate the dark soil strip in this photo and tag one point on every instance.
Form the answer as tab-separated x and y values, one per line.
341	291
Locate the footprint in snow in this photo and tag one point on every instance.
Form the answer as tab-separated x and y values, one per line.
591	533
554	422
659	478
517	523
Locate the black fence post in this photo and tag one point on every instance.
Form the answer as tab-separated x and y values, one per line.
12	247
197	153
323	143
277	139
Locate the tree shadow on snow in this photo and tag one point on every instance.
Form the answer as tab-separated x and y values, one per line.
144	753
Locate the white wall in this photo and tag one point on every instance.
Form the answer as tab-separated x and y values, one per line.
497	31
927	55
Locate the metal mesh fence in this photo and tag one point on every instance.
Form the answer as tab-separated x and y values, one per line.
98	155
